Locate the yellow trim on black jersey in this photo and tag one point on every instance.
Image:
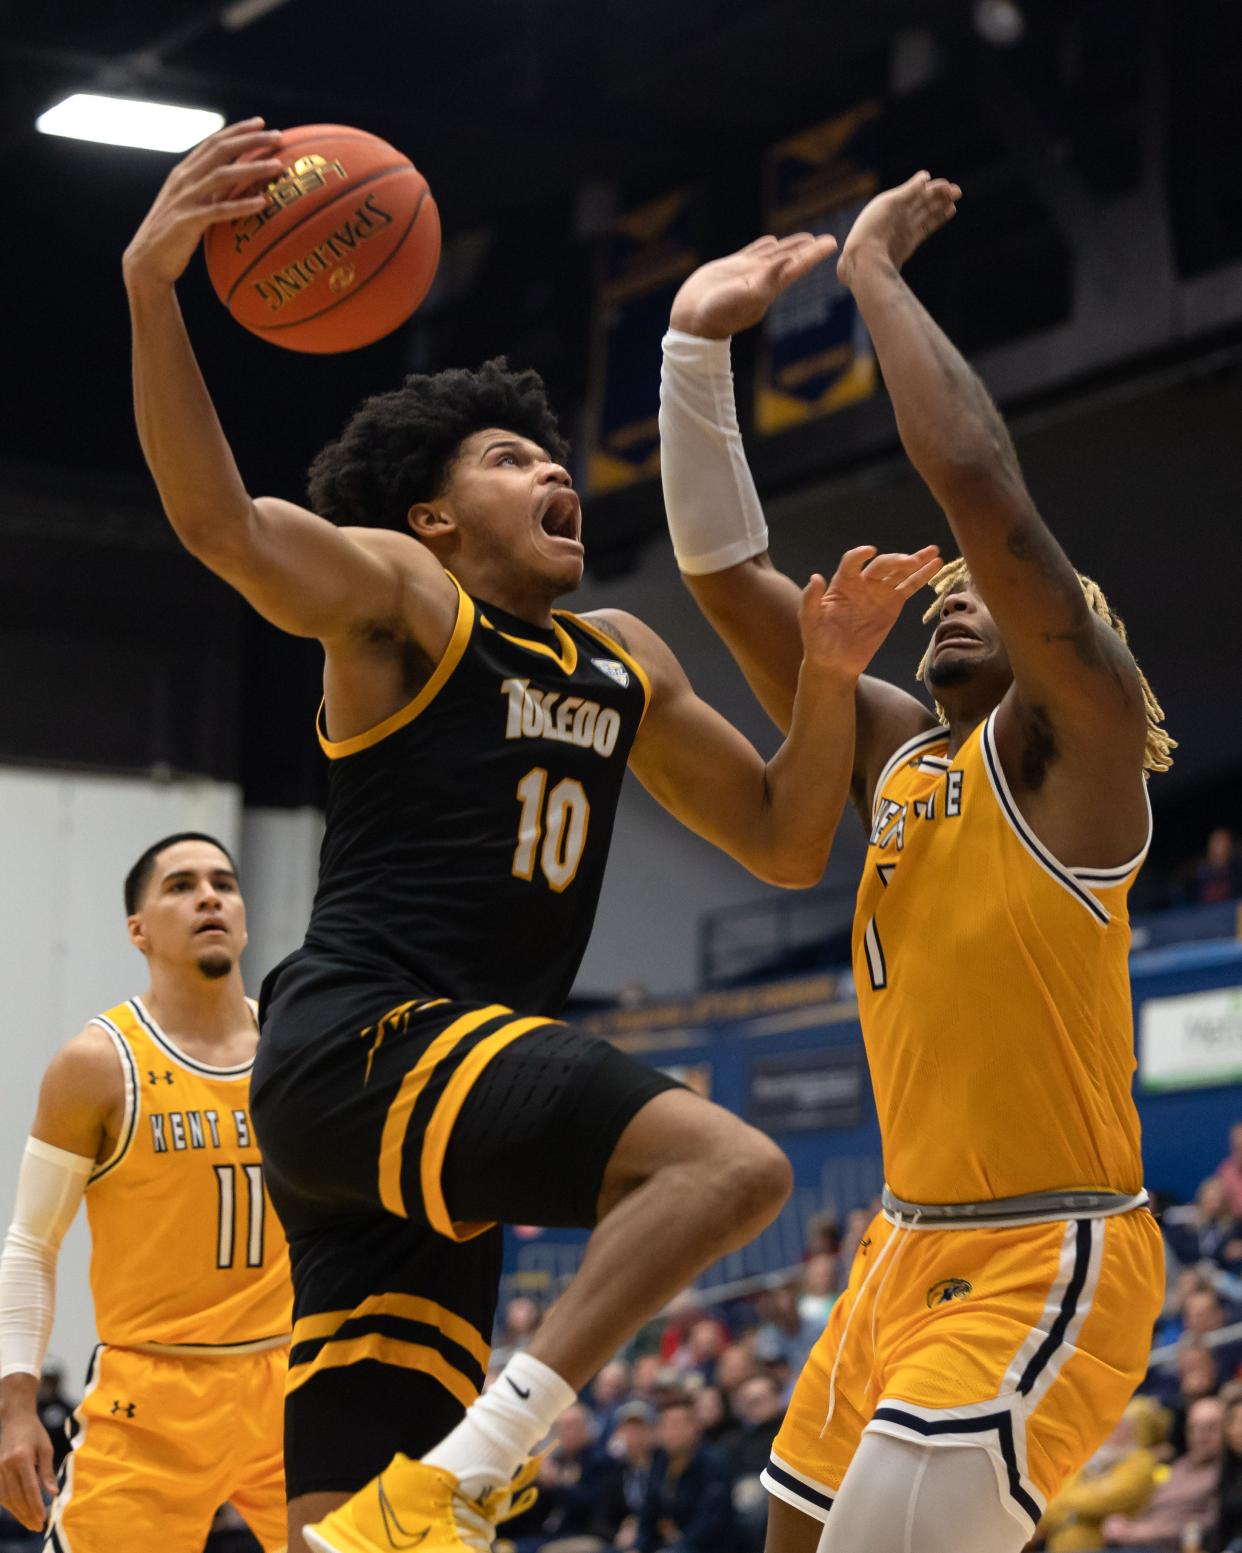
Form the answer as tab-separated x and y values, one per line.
614	646
385	1350
443	1118
409	1307
397	1122
337	749
566	660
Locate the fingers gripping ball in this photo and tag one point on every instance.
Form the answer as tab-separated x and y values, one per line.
344	250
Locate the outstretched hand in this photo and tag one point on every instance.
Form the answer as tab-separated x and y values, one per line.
731	294
844	621
215	182
895	223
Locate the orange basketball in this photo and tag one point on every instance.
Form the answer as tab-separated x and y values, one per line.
344	250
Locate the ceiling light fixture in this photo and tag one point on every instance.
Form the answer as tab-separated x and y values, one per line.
999	22
124	121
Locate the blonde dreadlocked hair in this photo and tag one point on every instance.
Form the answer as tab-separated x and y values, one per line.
1157	756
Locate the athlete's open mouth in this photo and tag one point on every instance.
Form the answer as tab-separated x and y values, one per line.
954	631
561	517
212	925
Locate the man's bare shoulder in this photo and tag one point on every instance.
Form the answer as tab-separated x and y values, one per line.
82	1095
87	1064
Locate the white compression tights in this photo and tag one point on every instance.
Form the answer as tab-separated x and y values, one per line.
898	1497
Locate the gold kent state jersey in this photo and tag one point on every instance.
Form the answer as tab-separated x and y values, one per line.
993	989
185	1248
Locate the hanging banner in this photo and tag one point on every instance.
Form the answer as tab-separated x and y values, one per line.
650	253
815	355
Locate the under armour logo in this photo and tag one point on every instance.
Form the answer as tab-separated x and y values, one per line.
864	1245
409	1539
155	1077
128	1409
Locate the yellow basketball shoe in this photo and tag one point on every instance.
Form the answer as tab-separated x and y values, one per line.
434	1515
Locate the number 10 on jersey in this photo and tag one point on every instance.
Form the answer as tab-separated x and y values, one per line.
559	819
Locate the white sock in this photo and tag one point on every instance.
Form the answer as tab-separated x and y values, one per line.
502	1427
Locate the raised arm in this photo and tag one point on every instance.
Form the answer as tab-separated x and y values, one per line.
714	514
1067	663
80	1105
302	573
776	817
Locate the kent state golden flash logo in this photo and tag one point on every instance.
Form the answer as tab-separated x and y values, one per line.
946	1291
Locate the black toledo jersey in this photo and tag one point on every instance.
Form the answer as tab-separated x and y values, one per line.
467	834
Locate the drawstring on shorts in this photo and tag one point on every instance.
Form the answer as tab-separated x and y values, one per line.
901	1231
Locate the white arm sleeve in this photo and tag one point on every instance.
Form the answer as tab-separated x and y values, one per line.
714	516
49	1189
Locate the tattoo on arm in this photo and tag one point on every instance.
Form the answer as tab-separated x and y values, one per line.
617	634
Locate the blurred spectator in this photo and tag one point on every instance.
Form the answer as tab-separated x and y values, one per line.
820	1287
735	1365
1204	1313
609	1389
823	1236
1226	1535
772	1356
1171	1326
632	1447
759	1409
1229	1171
519	1323
782	1329
1210	1232
759	1412
1197	1376
856	1222
714	1414
706	1340
683	1311
1186	1497
575	1479
1118	1480
689	1504
643	1374
1219	876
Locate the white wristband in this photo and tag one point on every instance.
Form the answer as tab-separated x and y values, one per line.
714	517
49	1189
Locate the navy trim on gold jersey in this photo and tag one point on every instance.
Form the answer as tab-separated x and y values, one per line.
130	1122
228	1075
338	749
1054	869
1103	878
924	740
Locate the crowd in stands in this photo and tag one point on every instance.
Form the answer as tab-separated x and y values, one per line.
663	1451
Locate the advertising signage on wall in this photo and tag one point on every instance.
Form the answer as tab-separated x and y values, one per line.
812	1090
1192	1041
650	253
815	355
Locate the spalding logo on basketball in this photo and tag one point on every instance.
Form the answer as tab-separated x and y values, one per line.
344	250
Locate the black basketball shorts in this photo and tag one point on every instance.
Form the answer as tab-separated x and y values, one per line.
399	1130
